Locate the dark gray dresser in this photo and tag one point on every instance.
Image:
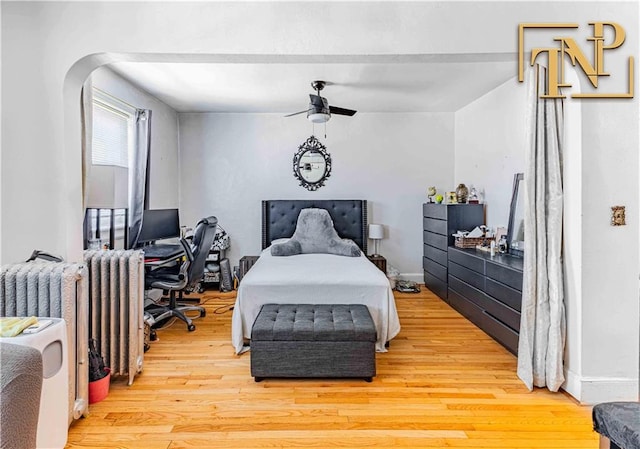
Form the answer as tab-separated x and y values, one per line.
439	222
488	291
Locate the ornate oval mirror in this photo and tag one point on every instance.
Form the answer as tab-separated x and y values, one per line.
312	164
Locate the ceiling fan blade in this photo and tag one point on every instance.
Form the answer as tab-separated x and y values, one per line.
296	113
341	111
317	101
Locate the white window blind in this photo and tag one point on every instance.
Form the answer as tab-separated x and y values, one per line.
112	134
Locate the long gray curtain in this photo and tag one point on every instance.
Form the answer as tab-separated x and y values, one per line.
86	108
542	326
138	180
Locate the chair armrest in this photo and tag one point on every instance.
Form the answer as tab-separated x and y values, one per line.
187	249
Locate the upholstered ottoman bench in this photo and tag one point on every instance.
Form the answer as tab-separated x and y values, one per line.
618	424
306	340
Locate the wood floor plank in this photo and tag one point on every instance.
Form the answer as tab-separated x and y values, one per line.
443	383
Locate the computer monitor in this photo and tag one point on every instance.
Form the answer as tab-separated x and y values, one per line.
158	224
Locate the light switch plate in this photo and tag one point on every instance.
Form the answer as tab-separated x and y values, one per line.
617	216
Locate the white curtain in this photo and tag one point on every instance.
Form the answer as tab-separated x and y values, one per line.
542	326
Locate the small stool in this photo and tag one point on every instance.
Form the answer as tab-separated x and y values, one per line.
619	422
307	340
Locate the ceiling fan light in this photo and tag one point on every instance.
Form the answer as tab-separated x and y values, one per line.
319	117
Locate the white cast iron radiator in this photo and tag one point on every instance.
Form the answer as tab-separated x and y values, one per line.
58	290
116	308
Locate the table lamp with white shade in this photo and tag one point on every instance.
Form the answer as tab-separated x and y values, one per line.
376	232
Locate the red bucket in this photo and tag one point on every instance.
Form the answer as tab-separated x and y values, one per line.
99	389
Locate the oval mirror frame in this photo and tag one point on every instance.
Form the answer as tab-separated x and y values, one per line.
312	164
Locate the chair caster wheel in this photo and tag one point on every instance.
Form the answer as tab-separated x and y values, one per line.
191	327
153	336
203	314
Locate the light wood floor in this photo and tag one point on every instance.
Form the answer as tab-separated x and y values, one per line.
443	383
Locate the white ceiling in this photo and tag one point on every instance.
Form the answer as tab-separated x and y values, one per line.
427	84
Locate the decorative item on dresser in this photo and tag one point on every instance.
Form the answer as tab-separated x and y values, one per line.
473	196
488	291
462	192
440	221
514	243
431	191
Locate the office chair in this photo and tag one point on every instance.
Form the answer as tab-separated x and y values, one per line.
183	277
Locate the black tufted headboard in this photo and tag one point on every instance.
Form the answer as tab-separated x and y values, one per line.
279	218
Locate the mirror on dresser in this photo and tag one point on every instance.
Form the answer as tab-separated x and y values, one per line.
515	230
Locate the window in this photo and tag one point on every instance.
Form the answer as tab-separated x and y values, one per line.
101	224
112	148
113	130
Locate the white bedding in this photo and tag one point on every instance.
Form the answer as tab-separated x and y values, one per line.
314	279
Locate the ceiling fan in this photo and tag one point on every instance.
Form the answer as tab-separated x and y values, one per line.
319	110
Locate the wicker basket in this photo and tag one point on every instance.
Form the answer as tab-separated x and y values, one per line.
472	242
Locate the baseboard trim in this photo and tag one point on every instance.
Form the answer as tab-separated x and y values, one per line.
594	390
415	277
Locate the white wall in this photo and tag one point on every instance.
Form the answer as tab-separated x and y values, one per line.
610	328
490	143
230	162
163	181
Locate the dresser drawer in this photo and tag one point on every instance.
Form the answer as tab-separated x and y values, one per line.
433	253
468	291
432	210
507	276
439	271
500	332
504	335
467	260
466	275
468	309
492	306
507	295
435	285
434	225
502	313
437	240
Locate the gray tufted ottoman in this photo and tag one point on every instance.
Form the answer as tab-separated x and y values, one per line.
619	422
306	340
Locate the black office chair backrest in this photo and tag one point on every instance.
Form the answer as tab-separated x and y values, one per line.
202	240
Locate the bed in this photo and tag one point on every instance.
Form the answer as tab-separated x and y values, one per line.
314	278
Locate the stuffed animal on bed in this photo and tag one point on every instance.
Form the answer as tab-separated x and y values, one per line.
315	234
